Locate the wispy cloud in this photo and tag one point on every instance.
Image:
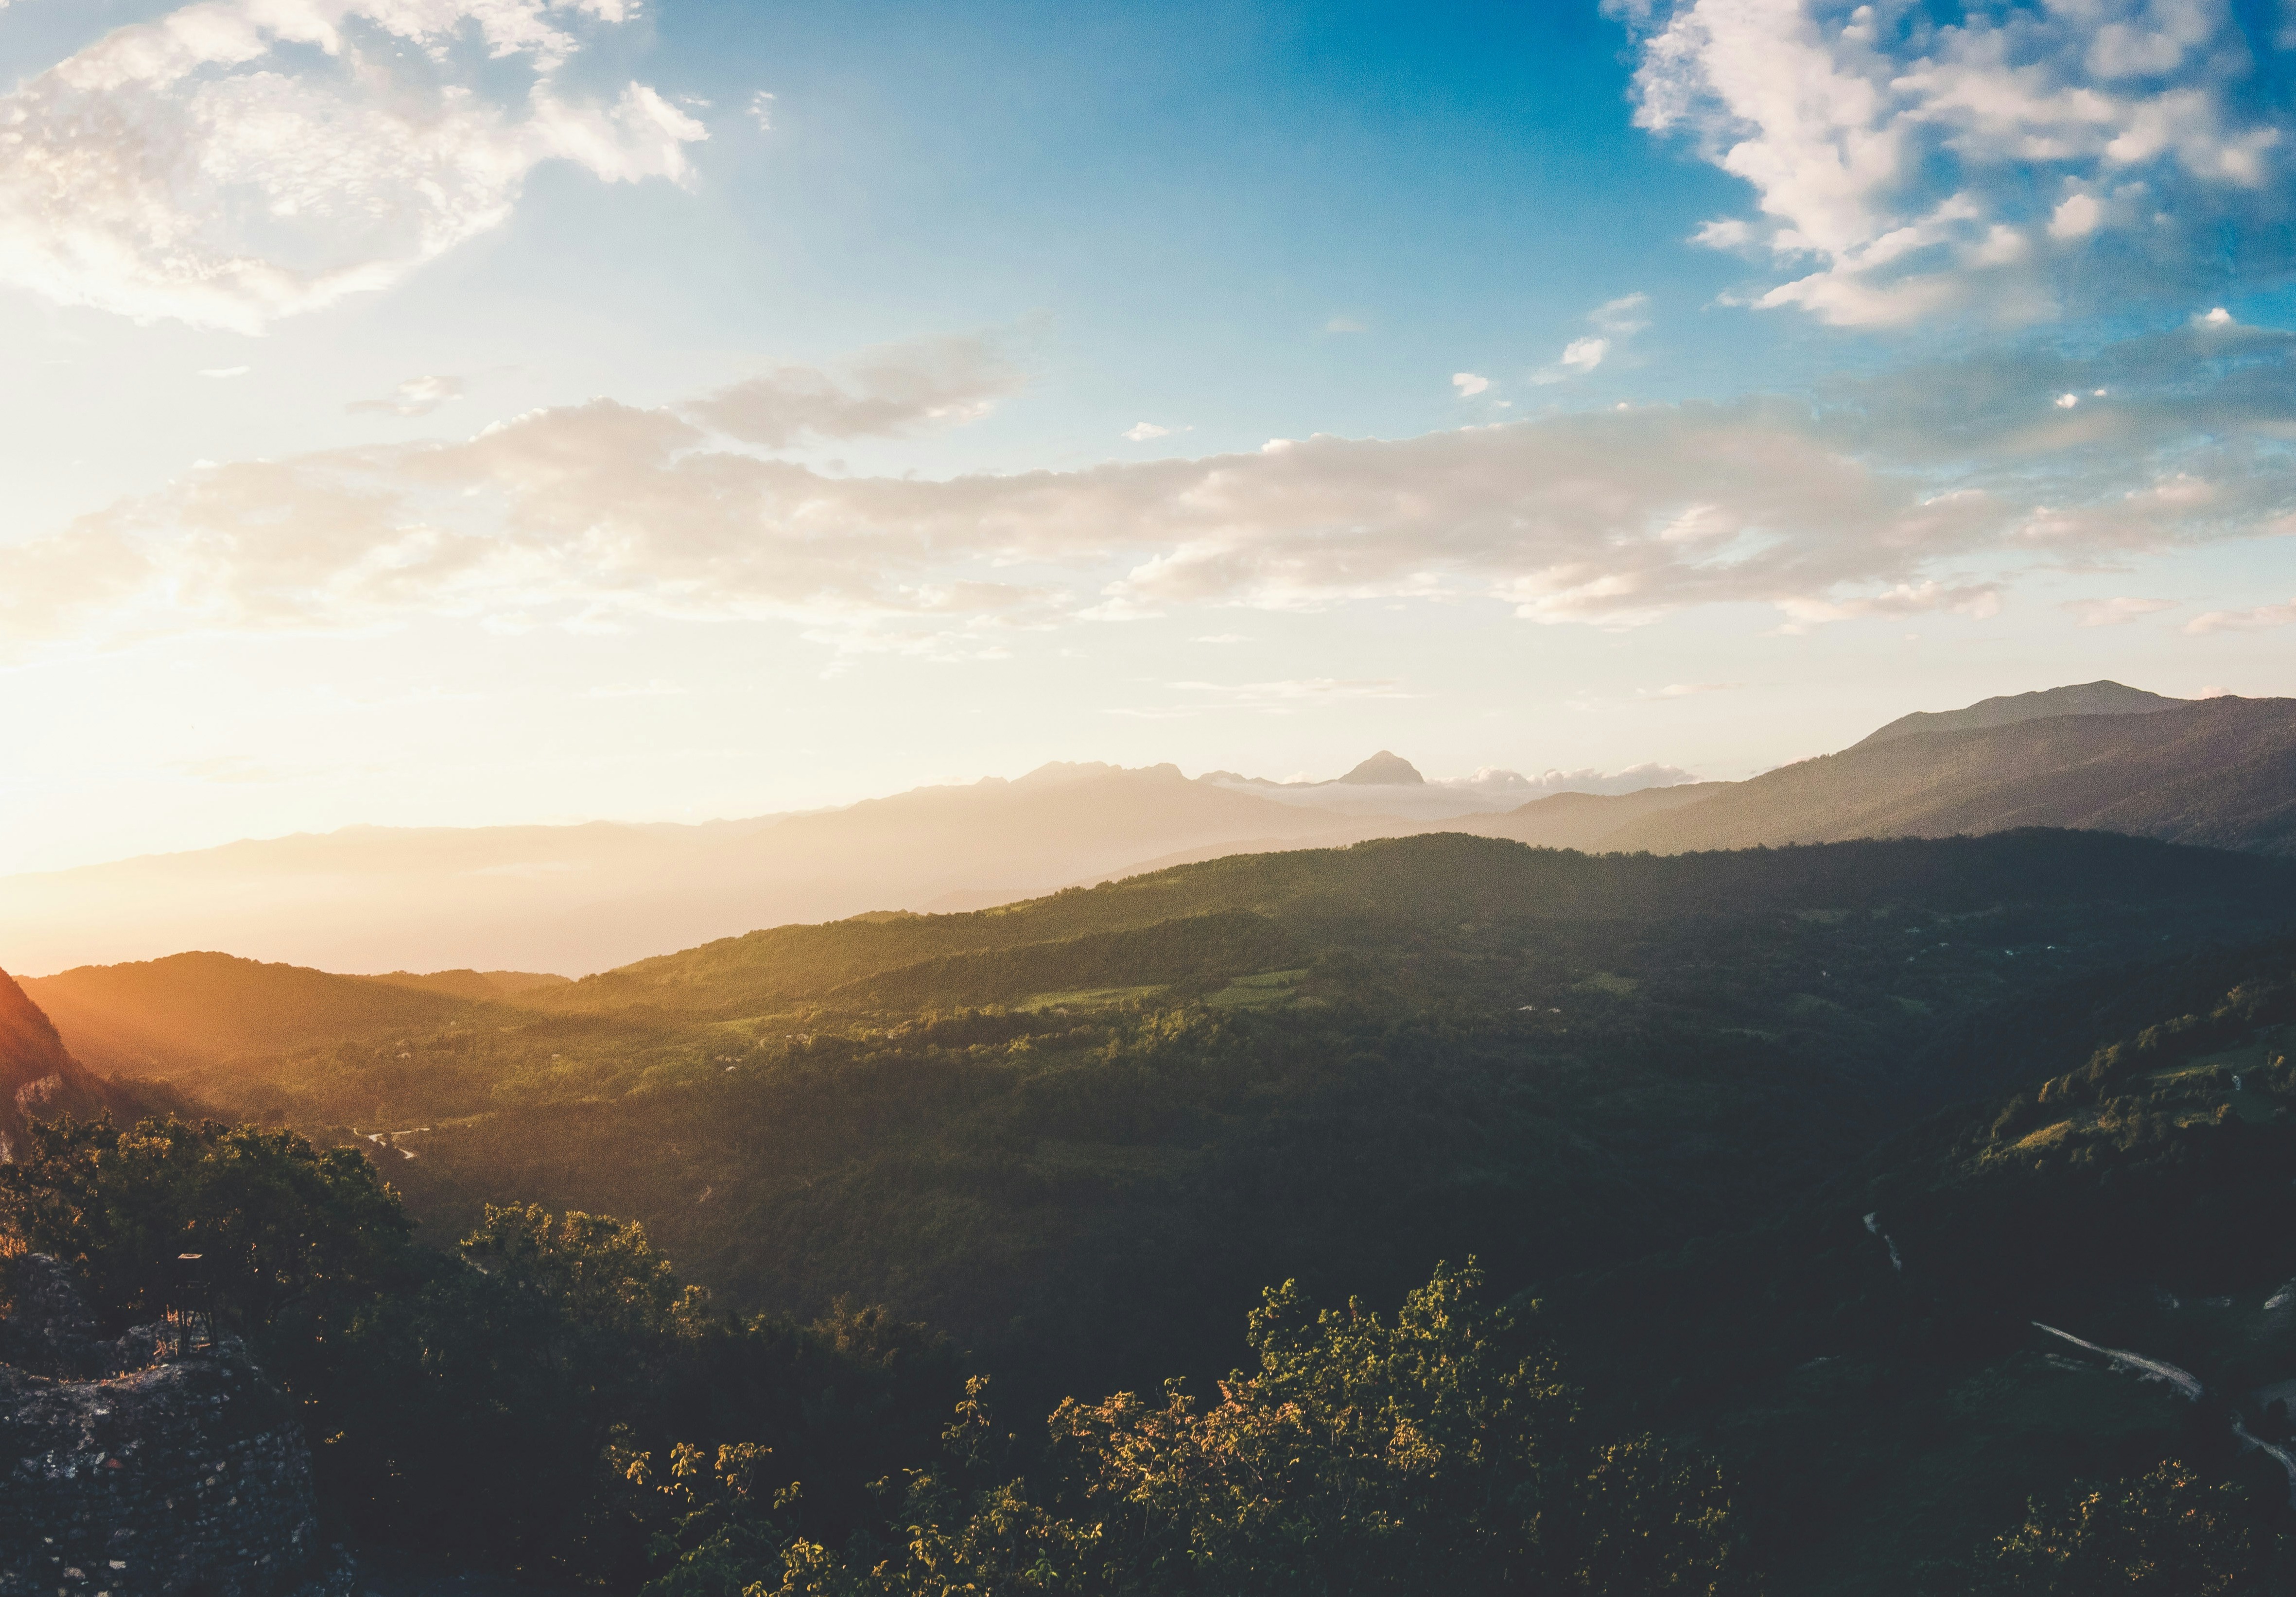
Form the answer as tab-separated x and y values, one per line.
416	397
241	160
1687	690
883	392
2243	621
1615	321
761	109
2115	613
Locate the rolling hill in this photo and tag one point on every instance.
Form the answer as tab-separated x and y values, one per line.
1081	1131
168	1016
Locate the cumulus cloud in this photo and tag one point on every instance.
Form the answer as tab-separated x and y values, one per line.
416	397
1468	384
882	392
2243	621
1140	432
1906	166
240	161
2115	613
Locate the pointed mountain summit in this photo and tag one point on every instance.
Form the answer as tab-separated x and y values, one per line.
2085	699
1385	770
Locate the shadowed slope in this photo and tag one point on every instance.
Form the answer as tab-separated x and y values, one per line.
38	1077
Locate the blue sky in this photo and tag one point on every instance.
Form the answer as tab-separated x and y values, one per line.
470	410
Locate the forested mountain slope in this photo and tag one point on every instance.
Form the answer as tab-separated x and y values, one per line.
38	1076
1875	1360
2219	773
165	1016
1082	1131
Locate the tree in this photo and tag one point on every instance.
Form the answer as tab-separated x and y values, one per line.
1363	1457
2169	1534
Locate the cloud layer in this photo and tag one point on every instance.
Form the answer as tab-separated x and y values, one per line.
1913	493
240	161
2003	162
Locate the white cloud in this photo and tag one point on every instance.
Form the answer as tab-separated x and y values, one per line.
1468	384
227	370
416	397
2115	613
1687	690
1621	317
1584	354
1615	321
240	161
2243	621
1140	432
1906	166
1513	787
1910	495
882	392
761	110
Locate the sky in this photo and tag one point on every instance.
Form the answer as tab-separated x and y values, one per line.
472	412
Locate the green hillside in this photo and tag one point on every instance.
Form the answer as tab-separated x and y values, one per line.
1081	1132
1658	1095
168	1016
1886	1378
1374	891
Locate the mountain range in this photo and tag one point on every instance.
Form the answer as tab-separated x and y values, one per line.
2219	771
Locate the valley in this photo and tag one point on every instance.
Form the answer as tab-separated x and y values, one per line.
1874	1173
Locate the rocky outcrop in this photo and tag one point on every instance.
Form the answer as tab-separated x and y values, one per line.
129	1470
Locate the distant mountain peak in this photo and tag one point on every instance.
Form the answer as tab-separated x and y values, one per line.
1385	770
2083	699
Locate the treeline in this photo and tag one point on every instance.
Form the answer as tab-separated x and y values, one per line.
550	1399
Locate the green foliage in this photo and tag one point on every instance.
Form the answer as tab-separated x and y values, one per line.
295	1241
2167	1535
1431	1454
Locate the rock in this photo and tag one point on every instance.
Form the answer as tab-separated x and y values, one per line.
126	1471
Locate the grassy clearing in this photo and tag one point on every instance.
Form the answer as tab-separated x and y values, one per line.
1603	981
1097	998
1260	991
